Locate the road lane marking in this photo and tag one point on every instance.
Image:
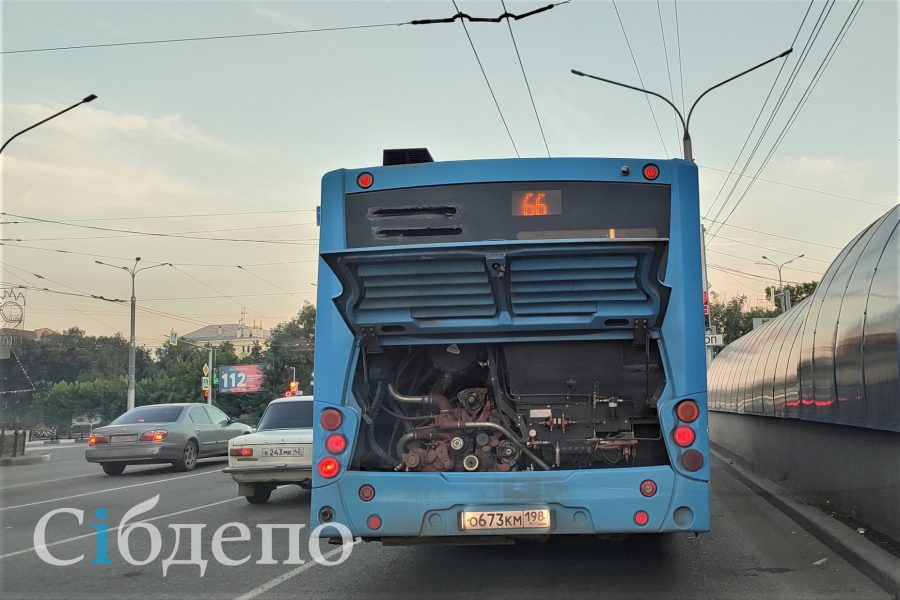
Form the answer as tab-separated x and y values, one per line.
146	468
290	574
124	487
87	535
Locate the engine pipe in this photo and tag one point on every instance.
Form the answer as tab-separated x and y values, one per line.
433	399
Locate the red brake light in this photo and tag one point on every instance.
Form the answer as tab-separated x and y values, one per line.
687	411
648	488
156	435
651	171
366	492
329	467
336	443
373	522
365	180
641	518
97	438
331	419
241	452
684	436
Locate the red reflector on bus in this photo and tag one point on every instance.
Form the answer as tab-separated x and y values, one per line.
329	467
684	436
692	460
648	488
365	180
373	522
641	518
336	443
331	419
366	492
651	171
687	411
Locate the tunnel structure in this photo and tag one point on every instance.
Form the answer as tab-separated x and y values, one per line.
812	398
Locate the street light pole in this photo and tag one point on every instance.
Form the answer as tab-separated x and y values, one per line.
685	123
784	298
84	100
133	271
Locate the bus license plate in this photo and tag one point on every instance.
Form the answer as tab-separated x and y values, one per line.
283	451
506	519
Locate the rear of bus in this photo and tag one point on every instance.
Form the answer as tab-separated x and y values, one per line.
510	348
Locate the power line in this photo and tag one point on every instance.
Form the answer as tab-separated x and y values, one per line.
799	187
488	82
680	65
221	294
817	76
818	273
131	235
264	280
784	237
756	121
206	38
723	238
155	234
641	79
257	295
177	216
527	85
662	32
750	275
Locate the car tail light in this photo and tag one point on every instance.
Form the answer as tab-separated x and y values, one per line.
366	492
648	488
97	438
331	419
336	443
240	452
373	522
692	460
684	436
156	435
687	411
329	467
651	171
365	180
641	518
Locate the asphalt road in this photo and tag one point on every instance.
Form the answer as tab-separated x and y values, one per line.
753	552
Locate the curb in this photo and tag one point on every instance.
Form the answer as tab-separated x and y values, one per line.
878	565
21	461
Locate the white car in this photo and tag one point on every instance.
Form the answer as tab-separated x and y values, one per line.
278	453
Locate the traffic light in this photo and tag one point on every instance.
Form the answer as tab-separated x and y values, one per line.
294	387
206	393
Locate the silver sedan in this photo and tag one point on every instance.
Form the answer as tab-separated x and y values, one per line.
163	433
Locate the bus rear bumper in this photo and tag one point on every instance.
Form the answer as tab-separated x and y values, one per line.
596	501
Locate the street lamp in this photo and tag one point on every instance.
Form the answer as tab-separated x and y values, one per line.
785	300
685	123
133	271
84	100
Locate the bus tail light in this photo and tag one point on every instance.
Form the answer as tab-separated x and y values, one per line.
641	518
648	488
687	411
240	452
684	436
373	522
366	492
329	467
365	180
97	438
650	171
692	460
331	419
336	443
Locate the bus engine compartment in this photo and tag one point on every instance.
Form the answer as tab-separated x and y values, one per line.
510	406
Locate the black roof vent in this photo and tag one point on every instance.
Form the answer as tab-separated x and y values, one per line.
406	156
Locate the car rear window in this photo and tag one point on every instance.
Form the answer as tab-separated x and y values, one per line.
287	415
150	414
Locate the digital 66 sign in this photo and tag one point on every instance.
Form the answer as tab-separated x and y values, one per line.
537	203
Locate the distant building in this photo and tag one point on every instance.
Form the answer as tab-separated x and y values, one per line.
26	334
241	336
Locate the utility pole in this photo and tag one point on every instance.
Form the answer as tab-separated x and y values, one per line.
133	271
84	100
785	303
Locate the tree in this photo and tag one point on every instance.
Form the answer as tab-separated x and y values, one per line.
732	319
798	292
291	345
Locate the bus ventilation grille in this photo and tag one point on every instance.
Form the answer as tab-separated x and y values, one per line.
575	285
439	289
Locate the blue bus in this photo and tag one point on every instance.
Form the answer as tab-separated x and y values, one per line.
510	349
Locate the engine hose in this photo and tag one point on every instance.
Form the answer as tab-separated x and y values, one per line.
370	427
434	399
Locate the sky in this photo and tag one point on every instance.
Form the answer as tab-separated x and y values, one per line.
230	138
